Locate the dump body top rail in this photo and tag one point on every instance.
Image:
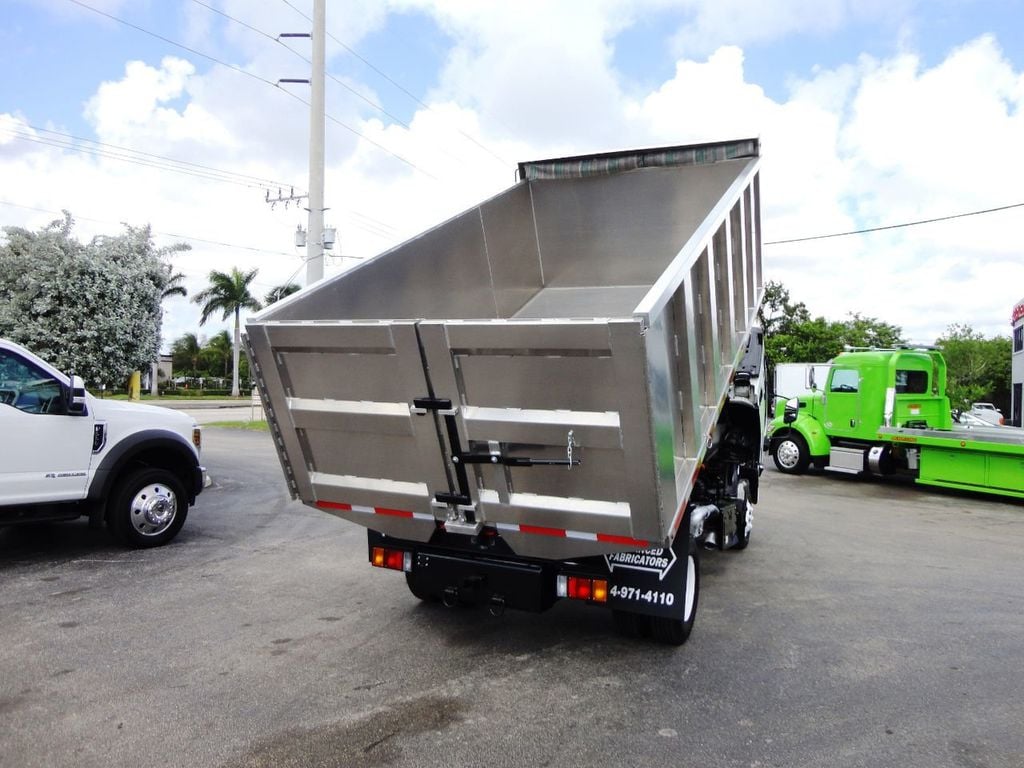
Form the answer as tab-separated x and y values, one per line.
549	363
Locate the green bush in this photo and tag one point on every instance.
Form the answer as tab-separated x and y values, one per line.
197	393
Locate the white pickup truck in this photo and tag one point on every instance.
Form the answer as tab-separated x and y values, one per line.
65	453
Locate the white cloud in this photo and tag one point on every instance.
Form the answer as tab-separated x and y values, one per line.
714	23
134	109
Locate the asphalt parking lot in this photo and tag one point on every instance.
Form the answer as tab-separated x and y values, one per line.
868	624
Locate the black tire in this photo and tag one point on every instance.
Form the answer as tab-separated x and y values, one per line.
676	631
793	452
631	624
418	592
148	508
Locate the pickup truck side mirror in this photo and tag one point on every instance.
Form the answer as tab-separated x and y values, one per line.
76	396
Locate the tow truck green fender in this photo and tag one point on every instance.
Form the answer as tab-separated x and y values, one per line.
808	427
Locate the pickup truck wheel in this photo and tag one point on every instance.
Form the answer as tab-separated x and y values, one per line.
676	631
148	508
791	455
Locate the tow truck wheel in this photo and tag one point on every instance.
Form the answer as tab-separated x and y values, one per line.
791	455
148	508
676	631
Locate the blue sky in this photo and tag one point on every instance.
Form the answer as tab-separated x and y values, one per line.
864	108
55	52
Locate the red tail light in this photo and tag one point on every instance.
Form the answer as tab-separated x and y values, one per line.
582	588
395	559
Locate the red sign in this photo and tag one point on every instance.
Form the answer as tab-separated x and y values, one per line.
1018	313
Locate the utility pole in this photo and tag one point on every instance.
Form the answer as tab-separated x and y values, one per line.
317	120
315	252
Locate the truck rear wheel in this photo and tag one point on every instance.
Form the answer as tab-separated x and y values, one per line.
148	508
744	516
676	631
663	629
418	592
631	624
791	455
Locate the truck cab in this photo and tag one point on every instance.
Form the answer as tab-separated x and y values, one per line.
66	454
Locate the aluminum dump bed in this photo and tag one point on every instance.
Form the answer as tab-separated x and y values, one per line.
548	365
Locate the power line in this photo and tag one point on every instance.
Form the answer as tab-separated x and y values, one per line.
98	153
897	226
365	138
397	85
330	76
155	232
270	37
372	226
137	157
172	42
247	74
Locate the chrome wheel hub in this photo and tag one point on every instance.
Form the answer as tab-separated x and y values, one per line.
788	454
153	509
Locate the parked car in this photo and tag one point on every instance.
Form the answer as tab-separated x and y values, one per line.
987	412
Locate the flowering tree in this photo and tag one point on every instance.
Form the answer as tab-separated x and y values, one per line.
93	308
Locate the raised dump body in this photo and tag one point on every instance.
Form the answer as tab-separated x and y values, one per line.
546	369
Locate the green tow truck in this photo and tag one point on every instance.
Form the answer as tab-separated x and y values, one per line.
885	412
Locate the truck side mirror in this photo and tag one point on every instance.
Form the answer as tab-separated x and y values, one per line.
810	378
792	409
76	395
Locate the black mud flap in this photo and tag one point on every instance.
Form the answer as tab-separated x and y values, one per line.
654	582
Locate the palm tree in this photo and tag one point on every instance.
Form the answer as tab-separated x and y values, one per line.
172	287
218	350
278	293
228	293
186	352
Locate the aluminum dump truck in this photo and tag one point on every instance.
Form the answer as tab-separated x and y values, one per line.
556	394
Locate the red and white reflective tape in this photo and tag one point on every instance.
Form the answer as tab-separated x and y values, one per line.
605	538
385	511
